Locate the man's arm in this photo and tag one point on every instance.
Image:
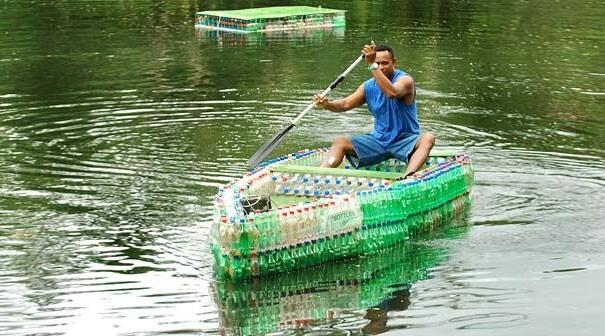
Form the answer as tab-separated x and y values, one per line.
402	87
354	100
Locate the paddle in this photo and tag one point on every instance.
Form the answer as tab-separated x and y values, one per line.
272	143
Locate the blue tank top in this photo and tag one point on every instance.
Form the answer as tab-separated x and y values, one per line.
392	117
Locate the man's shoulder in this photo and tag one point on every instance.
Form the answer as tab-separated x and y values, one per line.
404	77
368	82
400	73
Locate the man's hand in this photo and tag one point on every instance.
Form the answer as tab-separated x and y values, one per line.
369	51
320	102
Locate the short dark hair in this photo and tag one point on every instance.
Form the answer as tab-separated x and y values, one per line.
384	47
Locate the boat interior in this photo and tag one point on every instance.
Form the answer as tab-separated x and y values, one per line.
303	181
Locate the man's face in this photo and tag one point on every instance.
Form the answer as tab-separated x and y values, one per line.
386	63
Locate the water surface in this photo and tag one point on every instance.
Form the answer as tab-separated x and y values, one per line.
118	121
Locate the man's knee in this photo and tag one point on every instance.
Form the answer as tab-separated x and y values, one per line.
427	140
341	143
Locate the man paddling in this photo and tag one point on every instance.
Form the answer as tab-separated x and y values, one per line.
391	98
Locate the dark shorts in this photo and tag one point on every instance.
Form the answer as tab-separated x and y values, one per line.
370	151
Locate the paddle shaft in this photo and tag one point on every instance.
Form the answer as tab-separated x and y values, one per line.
330	88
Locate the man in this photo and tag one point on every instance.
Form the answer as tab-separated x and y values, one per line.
391	98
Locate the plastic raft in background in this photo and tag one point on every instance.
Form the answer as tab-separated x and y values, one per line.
329	292
290	214
270	19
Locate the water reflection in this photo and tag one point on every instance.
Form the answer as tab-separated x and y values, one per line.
327	294
235	39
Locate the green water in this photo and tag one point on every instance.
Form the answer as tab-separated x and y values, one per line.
118	121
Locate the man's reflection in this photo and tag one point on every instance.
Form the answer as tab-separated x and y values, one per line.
378	315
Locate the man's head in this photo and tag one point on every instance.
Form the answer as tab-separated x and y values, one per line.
385	57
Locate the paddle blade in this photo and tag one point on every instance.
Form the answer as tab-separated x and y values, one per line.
266	149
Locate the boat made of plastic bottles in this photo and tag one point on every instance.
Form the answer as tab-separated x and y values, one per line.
303	299
289	213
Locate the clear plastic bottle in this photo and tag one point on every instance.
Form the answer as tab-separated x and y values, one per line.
314	224
334	226
284	221
307	233
299	227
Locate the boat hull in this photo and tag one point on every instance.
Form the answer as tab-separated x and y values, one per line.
290	214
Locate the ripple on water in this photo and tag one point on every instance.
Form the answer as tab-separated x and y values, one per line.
85	271
117	126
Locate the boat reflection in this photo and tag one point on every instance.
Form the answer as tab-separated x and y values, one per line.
312	35
326	294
